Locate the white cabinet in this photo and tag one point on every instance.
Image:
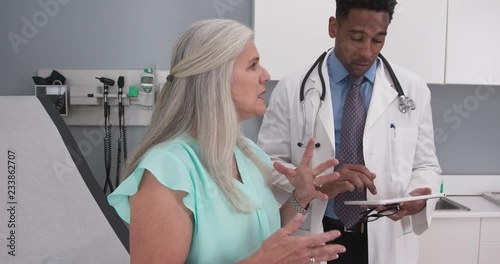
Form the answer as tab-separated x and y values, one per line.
489	243
461	241
473	49
291	34
450	240
443	41
416	38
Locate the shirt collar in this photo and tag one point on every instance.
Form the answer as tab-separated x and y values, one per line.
340	73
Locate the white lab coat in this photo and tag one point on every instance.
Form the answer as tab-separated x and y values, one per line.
403	158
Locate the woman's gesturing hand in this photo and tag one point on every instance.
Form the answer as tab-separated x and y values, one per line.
305	179
282	247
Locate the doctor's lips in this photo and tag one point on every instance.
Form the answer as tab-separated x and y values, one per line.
261	95
362	64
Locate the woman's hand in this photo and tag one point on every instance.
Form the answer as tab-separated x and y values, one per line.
281	247
306	180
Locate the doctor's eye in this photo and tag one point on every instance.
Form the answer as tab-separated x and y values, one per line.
253	66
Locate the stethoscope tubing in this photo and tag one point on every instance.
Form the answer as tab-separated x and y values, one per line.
405	103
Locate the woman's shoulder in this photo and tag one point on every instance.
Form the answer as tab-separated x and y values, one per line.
183	147
258	151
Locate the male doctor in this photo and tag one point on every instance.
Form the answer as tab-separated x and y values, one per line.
383	152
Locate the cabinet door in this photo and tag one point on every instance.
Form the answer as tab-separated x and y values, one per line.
489	253
473	55
450	240
416	38
489	247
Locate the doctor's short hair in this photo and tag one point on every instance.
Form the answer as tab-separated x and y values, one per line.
197	100
344	6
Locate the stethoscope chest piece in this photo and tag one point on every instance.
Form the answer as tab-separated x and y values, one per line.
405	103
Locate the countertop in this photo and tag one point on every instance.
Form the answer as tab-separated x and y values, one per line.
479	207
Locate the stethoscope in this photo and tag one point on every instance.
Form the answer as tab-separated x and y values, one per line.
405	102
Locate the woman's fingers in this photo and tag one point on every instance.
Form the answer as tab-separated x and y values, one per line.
320	250
322	238
283	169
327	252
324	166
322	179
308	154
285	248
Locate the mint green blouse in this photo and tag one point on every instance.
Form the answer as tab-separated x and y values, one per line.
220	234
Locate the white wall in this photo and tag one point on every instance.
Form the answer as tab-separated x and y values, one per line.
87	35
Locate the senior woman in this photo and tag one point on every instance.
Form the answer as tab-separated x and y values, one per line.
195	190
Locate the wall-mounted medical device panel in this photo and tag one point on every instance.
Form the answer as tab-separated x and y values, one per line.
57	94
84	99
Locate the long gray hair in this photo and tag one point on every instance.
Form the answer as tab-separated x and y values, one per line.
198	102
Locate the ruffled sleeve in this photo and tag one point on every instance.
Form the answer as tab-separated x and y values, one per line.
168	166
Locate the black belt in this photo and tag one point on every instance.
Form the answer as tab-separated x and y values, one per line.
338	225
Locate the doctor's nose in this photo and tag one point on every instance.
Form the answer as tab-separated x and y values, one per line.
366	51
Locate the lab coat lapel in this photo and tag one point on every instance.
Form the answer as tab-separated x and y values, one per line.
382	96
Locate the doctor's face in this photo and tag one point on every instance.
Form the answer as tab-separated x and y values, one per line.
247	85
359	38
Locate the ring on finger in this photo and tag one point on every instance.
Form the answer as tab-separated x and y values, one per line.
314	182
312	260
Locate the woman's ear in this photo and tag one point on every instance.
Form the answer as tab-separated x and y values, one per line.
332	27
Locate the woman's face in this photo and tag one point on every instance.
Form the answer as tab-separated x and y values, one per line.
247	85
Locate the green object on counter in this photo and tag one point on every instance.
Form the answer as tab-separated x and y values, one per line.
442	187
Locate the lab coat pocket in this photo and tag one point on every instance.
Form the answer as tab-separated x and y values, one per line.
402	147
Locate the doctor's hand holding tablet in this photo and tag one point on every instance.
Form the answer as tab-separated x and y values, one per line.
397	208
355	178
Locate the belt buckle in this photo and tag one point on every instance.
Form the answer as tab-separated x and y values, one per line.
361	231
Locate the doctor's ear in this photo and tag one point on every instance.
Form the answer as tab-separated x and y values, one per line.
332	27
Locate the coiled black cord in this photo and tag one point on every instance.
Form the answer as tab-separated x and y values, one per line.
121	139
124	136
107	144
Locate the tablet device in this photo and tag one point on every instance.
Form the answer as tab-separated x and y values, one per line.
396	200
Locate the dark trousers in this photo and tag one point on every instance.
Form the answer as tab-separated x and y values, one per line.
355	242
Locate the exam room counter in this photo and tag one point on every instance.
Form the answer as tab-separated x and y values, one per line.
479	207
463	237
